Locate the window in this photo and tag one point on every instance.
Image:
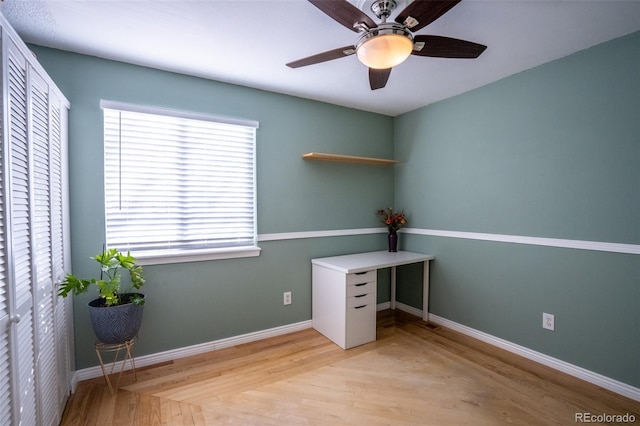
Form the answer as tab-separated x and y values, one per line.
179	186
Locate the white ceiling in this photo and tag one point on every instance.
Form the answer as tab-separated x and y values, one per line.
248	42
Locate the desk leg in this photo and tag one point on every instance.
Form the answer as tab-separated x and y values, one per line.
425	291
393	287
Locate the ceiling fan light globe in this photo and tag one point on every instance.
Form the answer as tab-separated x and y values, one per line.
386	50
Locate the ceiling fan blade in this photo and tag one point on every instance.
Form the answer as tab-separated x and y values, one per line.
345	13
378	78
445	47
424	12
329	55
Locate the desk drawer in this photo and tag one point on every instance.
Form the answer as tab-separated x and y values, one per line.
356	302
361	277
360	320
360	289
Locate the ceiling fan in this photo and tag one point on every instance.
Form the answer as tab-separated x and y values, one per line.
383	46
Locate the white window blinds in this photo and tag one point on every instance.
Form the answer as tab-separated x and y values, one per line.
177	182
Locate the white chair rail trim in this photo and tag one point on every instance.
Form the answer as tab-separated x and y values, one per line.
537	241
319	234
502	238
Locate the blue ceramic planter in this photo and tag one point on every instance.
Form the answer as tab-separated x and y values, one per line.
115	324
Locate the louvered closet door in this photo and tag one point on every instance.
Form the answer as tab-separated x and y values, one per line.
46	358
59	252
20	264
35	347
5	364
5	356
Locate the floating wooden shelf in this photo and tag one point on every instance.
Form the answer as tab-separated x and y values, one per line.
348	159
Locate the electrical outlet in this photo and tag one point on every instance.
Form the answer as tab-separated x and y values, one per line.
548	321
287	297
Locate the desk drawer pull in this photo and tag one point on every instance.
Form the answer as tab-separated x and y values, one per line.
361	277
360	307
359	289
361	299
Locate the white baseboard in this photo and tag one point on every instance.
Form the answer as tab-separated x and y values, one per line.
409	309
383	306
146	360
562	366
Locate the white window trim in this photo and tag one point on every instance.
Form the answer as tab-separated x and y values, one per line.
104	104
161	257
164	258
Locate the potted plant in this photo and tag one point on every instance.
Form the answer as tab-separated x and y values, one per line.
116	316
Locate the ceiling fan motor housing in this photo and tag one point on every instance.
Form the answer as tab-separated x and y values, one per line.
383	8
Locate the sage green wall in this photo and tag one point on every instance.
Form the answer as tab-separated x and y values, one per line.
199	302
551	152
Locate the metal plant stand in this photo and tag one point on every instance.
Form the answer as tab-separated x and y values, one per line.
123	349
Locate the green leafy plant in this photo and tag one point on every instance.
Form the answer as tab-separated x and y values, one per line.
111	263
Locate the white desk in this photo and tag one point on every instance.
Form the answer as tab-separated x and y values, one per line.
344	293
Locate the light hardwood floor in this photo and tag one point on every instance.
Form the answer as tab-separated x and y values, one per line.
413	374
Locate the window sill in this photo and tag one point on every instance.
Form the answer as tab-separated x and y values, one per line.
168	256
